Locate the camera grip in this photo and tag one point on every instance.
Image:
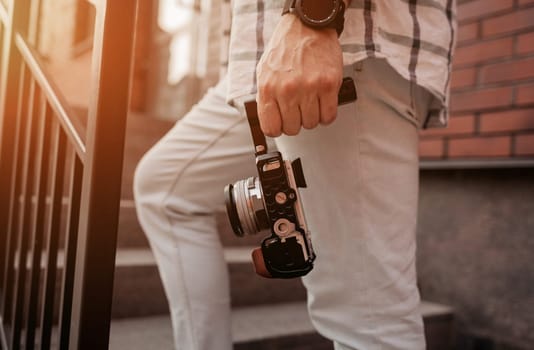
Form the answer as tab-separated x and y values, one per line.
259	263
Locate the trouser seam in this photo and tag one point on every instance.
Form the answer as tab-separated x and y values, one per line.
190	322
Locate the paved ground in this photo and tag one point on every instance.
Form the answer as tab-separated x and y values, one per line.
249	325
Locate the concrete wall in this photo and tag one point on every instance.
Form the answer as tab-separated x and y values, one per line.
476	251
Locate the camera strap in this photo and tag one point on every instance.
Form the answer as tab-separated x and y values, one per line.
260	144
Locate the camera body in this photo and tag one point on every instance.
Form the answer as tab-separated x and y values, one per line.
270	203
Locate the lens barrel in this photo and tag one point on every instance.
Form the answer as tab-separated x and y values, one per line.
231	210
243	205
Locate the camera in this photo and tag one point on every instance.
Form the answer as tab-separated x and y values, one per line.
270	203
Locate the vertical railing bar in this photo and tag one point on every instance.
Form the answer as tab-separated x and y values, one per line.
15	190
3	233
5	171
52	234
24	223
3	339
9	88
70	252
41	182
97	236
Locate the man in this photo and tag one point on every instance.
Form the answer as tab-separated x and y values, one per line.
360	162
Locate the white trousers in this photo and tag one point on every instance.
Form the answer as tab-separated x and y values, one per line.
360	205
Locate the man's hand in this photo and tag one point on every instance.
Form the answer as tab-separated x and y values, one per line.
299	76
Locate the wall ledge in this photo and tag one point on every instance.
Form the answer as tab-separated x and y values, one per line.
476	164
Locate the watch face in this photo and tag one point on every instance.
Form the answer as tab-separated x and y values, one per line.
317	12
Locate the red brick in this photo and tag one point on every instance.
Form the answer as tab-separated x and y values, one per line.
481	99
463	77
524	94
518	20
457	125
483	51
467	32
482	8
431	148
516	120
508	71
480	147
525	43
524	145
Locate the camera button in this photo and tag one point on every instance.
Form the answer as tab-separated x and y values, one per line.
283	227
280	198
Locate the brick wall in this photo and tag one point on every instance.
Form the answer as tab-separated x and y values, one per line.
492	87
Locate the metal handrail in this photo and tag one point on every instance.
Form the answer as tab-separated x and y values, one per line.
37	128
3	14
64	112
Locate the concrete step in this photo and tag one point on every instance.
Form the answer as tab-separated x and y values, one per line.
138	290
268	327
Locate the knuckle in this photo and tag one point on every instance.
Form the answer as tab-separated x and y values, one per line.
327	83
265	89
310	84
289	87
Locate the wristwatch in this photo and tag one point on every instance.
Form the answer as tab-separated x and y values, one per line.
318	13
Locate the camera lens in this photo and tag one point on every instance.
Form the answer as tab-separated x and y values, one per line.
243	205
231	210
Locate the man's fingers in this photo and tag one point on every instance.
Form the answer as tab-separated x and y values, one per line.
270	119
310	113
291	118
328	106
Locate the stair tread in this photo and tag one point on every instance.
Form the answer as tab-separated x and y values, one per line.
145	257
249	324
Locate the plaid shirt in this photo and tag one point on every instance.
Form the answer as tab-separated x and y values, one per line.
415	36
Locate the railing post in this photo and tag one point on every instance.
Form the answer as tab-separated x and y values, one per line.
16	21
97	235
